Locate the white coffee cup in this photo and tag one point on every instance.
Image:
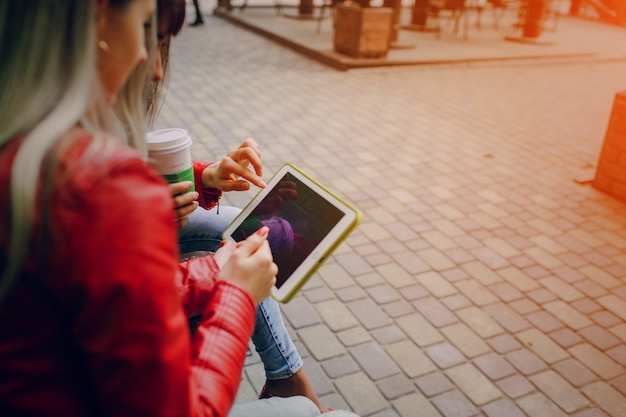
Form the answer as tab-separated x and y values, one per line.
169	153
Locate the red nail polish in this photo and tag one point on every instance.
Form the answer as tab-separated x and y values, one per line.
263	231
222	243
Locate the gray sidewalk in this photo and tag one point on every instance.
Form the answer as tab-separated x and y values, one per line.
483	280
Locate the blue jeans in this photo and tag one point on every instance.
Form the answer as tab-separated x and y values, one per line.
203	232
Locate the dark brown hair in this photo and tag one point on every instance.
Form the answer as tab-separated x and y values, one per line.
172	11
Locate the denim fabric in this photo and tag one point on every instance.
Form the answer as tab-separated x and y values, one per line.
271	340
203	232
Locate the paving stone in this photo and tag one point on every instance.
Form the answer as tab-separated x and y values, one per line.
415	405
374	360
351	293
507	318
591	412
414	292
605	319
541	296
353	264
566	338
506	292
501	247
369	314
454	275
479	322
339	366
568	315
398	308
515	386
388	412
410	263
494	366
321	342
395	386
454	404
419	329
524	306
590	288
559	391
334	401
336	315
316	295
595	360
478	293
435	312
481	272
412	360
436	284
574	372
600	277
538	405
369	280
389	334
464	339
437	260
562	289
619	331
473	384
383	294
300	313
354	336
525	361
620	384
433	384
618	354
336	276
504	343
544	321
361	394
614	304
503	407
456	302
542	346
395	275
599	337
444	355
518	279
438	240
568	274
586	306
607	398
321	384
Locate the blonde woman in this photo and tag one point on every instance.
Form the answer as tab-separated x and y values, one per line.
92	323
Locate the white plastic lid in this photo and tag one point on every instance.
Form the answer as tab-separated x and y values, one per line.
160	140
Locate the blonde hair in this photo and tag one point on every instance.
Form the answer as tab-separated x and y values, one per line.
48	84
131	103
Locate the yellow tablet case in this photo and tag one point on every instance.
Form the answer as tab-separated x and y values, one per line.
323	256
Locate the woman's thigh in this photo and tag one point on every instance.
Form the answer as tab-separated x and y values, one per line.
203	231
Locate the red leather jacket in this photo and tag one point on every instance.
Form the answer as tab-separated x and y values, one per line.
99	330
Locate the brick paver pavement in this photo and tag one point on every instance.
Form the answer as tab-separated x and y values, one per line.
483	280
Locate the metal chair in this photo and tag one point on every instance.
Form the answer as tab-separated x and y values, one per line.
457	11
326	4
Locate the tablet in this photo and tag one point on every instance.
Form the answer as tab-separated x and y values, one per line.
306	223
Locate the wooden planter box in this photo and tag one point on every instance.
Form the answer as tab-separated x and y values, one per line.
362	32
611	172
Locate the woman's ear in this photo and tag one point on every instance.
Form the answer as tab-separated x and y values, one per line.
102	7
